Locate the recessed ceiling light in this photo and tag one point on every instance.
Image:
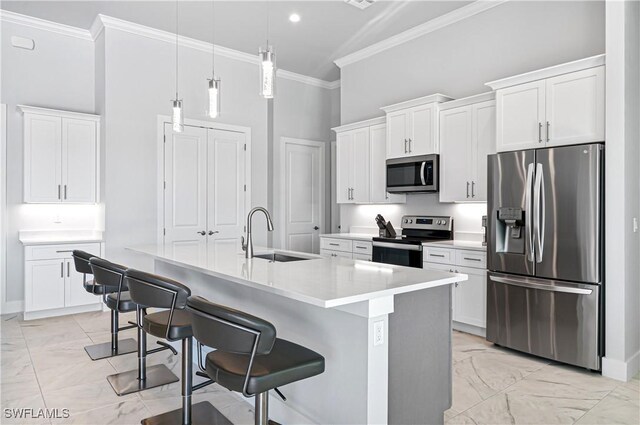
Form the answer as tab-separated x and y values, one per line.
294	17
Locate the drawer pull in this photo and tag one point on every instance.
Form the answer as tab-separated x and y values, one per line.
361	247
334	244
472	259
64	250
436	255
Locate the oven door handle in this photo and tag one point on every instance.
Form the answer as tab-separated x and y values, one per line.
424	163
402	246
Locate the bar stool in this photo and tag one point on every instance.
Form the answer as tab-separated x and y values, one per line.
249	358
173	324
107	290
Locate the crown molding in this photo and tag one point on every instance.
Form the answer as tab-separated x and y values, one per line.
434	24
360	124
551	71
329	85
465	101
432	98
27	109
41	24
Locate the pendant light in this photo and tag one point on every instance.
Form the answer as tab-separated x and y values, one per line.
267	67
214	83
177	118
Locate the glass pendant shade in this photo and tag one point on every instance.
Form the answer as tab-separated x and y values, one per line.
177	119
214	97
267	72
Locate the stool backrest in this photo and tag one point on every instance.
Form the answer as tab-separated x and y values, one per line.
81	261
150	290
229	330
110	276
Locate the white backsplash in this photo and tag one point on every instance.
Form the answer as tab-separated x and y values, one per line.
467	218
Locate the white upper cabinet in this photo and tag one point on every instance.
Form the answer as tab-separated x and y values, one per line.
361	164
560	105
60	156
467	136
412	126
575	107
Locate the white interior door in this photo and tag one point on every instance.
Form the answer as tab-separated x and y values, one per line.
78	160
226	187
185	193
304	190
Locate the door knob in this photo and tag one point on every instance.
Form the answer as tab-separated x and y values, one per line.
316	228
211	232
202	232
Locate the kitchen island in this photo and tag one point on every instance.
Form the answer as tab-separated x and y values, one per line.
385	331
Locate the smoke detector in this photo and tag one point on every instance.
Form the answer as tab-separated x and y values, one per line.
360	4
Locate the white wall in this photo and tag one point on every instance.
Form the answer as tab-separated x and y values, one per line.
58	73
622	320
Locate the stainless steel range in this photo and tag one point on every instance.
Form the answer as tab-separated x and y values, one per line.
406	249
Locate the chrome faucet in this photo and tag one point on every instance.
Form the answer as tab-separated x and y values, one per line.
248	246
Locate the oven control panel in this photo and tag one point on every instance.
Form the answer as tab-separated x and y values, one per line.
426	222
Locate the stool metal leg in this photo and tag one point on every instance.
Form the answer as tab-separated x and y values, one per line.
113	348
143	377
202	413
262	408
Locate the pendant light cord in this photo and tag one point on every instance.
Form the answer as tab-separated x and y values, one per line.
176	49
267	1
213	38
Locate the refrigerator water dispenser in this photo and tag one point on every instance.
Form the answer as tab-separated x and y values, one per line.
510	230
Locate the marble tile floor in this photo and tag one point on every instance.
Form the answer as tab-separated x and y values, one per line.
44	365
493	385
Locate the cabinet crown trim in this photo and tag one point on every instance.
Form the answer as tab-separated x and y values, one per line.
360	124
544	73
432	98
471	100
58	113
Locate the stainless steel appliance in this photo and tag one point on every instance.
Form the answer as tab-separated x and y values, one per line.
545	253
406	250
413	174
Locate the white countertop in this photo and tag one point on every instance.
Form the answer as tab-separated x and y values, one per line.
458	244
321	281
50	237
350	236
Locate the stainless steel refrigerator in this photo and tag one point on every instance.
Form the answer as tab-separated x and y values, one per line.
545	252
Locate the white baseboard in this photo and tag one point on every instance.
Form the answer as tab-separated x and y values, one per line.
31	315
11	307
621	370
470	329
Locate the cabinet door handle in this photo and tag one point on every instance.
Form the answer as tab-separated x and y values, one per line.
473	189
68	269
467	189
436	255
539	132
59	193
409	145
472	259
64	250
62	269
334	244
65	191
548	126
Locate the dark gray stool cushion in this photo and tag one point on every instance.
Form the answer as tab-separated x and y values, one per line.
156	324
126	304
287	363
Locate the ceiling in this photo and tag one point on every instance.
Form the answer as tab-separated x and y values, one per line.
327	30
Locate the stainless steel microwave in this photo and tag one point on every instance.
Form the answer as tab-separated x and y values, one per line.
413	174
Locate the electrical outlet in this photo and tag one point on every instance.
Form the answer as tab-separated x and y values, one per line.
378	332
635	224
57	219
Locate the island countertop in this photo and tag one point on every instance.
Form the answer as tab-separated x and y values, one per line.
320	281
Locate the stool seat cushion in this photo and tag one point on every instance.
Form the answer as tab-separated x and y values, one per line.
125	301
156	324
287	363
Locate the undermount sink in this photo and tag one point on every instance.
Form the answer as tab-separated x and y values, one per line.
280	258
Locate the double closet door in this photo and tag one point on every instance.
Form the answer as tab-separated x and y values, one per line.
204	189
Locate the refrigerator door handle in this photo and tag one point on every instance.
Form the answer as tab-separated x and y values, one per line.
552	288
529	210
536	212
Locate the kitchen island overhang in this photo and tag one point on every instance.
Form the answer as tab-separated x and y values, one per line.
337	307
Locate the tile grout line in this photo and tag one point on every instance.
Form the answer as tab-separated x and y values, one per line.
599	401
35	373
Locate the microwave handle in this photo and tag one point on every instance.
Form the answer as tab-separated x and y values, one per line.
424	163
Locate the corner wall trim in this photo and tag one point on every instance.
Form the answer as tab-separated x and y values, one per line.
621	370
434	24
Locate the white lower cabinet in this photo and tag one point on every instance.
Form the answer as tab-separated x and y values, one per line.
469	297
52	285
346	248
